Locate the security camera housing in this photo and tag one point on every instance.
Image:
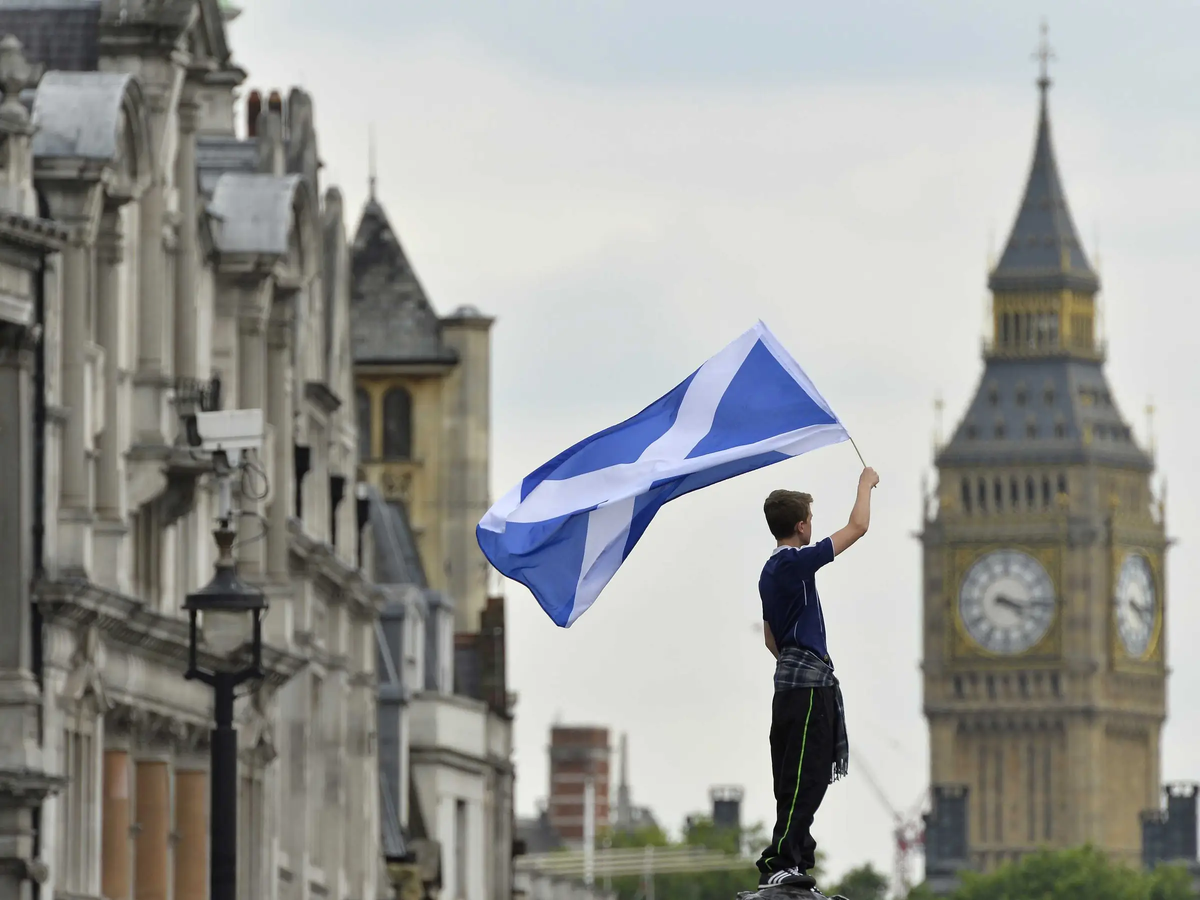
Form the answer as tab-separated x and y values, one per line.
233	429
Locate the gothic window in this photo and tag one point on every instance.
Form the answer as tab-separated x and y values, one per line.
982	495
1014	494
993	394
1060	429
1062	484
397	424
998	493
362	401
1005	328
966	494
1031	428
971	431
1053	329
1022	395
1000	430
1045	491
1030	492
1049	395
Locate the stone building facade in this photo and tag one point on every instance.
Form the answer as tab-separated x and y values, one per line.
156	258
1044	580
445	714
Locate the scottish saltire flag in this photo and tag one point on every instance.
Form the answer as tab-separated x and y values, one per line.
566	528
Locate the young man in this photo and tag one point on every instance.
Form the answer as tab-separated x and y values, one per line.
809	749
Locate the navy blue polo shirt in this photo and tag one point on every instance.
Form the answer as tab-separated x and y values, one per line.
791	605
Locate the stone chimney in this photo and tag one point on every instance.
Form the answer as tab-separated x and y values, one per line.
271	151
253	111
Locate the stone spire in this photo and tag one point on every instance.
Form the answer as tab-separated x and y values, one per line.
1043	252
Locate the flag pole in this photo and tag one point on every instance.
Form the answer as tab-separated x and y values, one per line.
856	450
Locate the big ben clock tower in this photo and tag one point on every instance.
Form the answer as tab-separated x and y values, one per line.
1044	589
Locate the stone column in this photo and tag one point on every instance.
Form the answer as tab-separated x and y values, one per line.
75	506
191	826
185	255
154	332
279	416
252	351
154	829
116	862
111	530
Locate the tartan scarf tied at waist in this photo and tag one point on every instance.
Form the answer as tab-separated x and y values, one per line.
801	668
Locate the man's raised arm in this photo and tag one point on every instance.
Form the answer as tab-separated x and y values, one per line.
860	516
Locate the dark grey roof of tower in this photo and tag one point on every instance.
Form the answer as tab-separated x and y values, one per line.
1043	250
62	35
392	320
1040	412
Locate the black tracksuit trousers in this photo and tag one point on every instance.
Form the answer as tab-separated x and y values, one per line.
802	749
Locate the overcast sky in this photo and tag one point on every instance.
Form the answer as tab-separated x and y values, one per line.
627	186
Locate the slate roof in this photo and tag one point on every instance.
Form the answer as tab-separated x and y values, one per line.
218	154
392	320
62	35
253	212
78	114
1043	251
396	558
1050	411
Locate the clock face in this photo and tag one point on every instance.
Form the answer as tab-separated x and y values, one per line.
1135	605
1006	601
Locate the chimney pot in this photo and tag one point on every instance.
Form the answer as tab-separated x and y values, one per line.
253	111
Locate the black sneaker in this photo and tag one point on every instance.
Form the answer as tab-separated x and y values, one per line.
794	876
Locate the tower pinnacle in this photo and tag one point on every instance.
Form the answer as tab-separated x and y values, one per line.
1044	54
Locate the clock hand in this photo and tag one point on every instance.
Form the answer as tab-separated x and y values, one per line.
1009	601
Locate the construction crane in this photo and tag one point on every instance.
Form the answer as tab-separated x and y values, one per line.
908	830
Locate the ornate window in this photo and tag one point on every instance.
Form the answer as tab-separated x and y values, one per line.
1045	492
1030	492
1014	494
1062	484
966	494
397	424
362	401
998	493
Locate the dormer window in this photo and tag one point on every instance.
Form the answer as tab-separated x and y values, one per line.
1022	395
993	395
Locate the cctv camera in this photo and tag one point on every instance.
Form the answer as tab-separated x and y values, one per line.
229	430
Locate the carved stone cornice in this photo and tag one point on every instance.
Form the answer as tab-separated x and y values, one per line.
110	240
342	582
127	622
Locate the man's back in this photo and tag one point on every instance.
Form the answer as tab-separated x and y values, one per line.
791	604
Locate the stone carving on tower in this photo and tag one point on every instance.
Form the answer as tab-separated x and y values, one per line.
1044	581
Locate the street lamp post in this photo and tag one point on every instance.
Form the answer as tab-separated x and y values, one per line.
229	612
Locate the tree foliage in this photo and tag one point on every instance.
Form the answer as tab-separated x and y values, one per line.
862	883
1084	873
701	832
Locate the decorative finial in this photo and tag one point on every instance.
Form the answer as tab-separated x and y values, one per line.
371	175
16	74
1043	55
1150	424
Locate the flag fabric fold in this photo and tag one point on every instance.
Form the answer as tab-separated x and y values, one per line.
566	528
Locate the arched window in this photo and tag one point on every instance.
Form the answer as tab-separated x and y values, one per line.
397	424
1045	492
982	495
1062	484
1030	493
966	494
998	493
362	401
1014	494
